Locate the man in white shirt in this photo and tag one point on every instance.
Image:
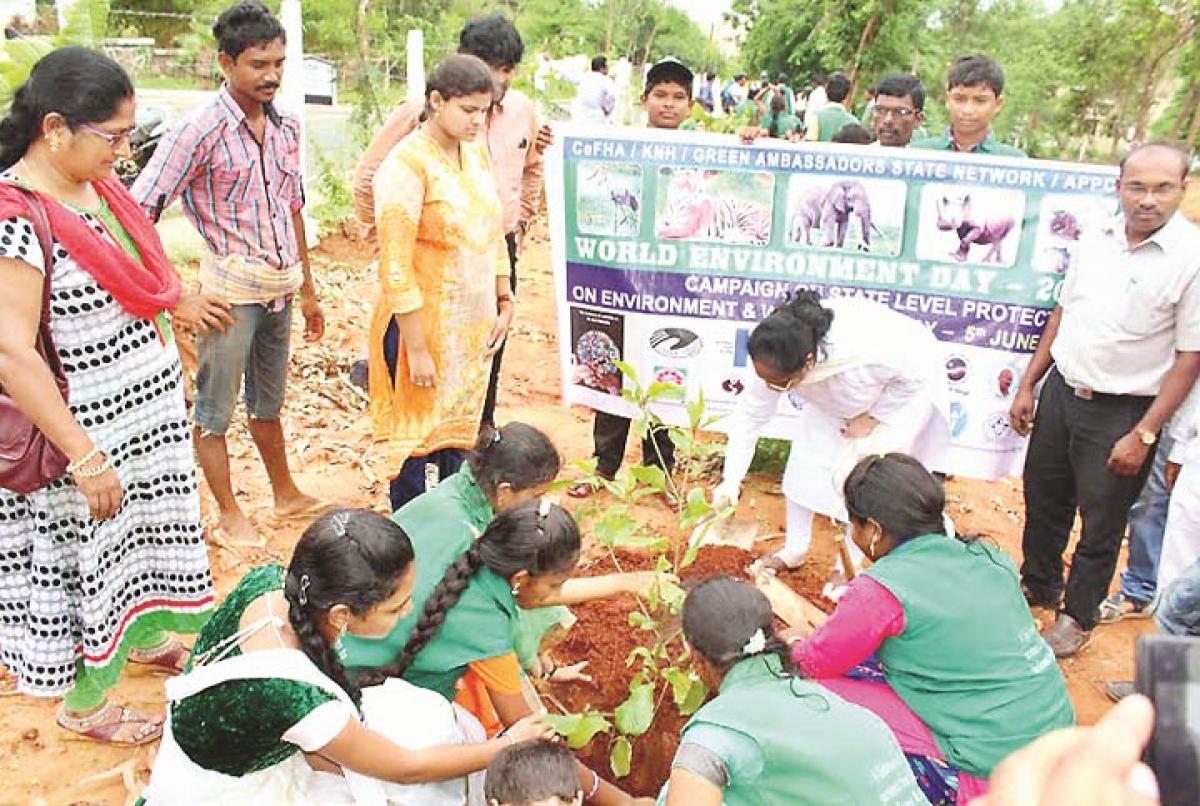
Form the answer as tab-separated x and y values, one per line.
1122	349
596	98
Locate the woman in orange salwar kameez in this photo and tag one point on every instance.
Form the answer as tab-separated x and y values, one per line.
445	302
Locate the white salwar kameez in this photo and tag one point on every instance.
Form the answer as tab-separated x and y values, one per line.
874	361
411	717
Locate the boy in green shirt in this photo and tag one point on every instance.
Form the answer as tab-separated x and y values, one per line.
973	100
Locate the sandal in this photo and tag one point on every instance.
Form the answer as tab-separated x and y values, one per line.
171	655
106	724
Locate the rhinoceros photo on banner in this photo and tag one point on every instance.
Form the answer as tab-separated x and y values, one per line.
846	213
970	224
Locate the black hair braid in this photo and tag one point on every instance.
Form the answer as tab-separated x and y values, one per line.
17	129
314	645
444	596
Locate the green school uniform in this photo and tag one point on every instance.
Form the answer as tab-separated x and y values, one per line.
989	146
815	747
485	623
831	120
970	662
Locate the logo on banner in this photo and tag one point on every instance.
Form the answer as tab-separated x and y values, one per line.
733	386
956	369
674	375
675	342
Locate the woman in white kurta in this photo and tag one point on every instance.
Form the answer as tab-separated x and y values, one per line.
864	378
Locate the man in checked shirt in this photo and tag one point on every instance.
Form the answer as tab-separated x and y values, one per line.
515	142
236	165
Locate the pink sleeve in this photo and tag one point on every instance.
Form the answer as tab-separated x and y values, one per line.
866	614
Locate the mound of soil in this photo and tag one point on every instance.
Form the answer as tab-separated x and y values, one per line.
604	638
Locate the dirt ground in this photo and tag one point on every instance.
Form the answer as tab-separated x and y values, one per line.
333	458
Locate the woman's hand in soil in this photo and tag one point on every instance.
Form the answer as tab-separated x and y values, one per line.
573	673
203	312
529	728
421	369
725	495
859	426
500	329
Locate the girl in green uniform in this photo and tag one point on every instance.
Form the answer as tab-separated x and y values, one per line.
962	678
266	714
466	607
770	737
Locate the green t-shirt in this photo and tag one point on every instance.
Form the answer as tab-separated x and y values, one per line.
816	749
970	662
990	145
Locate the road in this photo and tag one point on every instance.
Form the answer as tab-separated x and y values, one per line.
327	128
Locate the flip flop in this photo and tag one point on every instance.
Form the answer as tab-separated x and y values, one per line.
308	513
104	725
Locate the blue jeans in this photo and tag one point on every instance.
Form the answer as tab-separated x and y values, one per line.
254	347
1147	522
1178	610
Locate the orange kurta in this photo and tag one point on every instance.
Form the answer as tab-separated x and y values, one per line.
441	249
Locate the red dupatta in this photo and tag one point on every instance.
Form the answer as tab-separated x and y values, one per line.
143	288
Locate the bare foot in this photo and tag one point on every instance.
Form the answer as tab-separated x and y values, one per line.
299	505
238	530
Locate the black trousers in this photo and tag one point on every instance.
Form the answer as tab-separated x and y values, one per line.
489	402
611	432
1066	469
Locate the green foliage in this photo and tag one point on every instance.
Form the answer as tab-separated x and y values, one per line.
661	663
335	202
1086	69
578	729
17	58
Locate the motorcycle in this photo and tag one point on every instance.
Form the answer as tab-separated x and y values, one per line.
150	127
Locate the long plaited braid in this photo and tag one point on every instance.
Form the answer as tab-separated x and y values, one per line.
433	615
314	645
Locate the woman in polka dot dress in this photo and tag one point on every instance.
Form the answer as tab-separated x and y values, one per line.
100	565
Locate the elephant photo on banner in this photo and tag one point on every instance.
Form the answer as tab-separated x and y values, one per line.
849	214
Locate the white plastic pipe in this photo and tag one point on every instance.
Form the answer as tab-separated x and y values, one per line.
415	68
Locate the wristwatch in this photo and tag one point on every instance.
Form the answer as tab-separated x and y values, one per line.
1148	438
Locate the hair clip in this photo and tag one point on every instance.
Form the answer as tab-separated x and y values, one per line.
756	644
544	507
305	582
496	437
340	520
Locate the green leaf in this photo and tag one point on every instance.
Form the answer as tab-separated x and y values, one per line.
578	729
633	717
695	510
628	371
650	475
621	757
661	390
640	652
695	409
695	698
640	620
616	527
671	595
690	555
